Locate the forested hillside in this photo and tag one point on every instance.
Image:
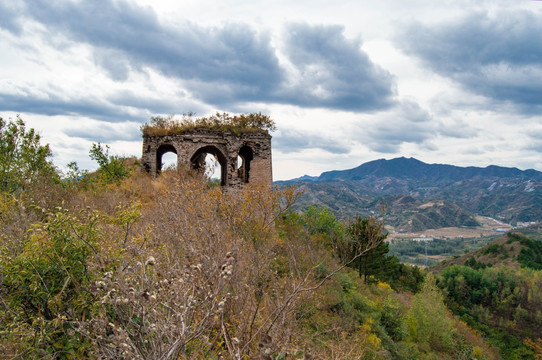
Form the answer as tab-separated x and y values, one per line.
498	290
115	264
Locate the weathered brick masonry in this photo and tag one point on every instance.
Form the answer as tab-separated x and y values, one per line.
191	147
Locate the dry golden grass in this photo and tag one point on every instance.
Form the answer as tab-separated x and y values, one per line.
181	269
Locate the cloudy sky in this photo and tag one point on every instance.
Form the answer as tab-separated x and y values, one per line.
347	81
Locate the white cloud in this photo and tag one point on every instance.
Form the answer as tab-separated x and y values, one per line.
347	82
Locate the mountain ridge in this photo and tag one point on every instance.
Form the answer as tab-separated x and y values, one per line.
403	167
509	194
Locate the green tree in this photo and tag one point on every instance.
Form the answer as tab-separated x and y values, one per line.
23	160
400	276
74	173
428	320
113	168
367	236
321	221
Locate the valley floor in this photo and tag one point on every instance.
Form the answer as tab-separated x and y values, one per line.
488	228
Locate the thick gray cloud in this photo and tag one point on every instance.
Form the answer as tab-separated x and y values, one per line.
120	106
113	62
533	139
52	105
497	56
383	132
105	132
534	146
458	129
334	72
289	141
155	104
127	35
406	123
222	66
9	16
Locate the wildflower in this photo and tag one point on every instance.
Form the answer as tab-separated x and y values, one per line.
196	267
150	261
227	270
221	306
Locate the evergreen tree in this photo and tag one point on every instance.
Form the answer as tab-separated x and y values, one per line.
367	236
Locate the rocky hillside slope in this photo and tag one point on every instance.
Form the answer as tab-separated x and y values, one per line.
509	194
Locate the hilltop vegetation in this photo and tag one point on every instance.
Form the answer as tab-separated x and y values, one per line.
431	252
237	124
115	264
514	250
498	290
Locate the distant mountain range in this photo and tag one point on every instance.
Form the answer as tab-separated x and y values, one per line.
410	168
421	196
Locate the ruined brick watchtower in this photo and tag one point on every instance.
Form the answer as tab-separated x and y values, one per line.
244	158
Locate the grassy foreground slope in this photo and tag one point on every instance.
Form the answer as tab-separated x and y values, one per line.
116	264
173	268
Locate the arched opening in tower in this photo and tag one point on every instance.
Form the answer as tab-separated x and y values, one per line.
211	163
166	158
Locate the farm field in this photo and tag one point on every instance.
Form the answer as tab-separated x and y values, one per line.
487	228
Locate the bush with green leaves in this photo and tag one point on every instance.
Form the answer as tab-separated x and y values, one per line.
429	323
113	168
46	285
530	255
23	160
